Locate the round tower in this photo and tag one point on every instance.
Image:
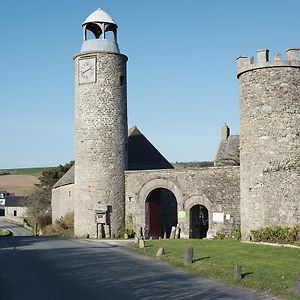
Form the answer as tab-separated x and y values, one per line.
269	140
100	130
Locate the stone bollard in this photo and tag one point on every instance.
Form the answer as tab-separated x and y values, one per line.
136	240
172	235
177	232
297	285
188	256
237	272
160	252
141	244
165	235
151	238
107	231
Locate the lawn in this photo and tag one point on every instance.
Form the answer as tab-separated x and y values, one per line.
267	269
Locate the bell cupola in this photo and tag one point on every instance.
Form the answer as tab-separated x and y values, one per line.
103	30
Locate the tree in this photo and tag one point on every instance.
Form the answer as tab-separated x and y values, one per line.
39	201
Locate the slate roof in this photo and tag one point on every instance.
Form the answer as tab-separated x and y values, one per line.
228	153
142	155
68	178
15	201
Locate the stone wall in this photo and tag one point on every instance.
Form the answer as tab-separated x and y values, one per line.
62	201
215	188
269	139
100	143
10	211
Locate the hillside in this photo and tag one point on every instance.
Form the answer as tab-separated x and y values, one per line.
20	181
21	185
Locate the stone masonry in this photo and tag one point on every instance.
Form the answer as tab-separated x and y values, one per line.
255	179
101	144
270	140
215	188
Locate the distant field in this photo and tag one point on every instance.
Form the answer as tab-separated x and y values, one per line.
25	171
21	185
20	181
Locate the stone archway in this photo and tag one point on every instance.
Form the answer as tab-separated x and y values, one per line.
192	207
199	221
161	212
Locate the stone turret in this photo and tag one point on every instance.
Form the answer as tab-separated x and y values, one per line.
100	130
269	140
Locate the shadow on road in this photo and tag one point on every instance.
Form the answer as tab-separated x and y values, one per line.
53	268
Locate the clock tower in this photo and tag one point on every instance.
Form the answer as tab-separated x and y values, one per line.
100	130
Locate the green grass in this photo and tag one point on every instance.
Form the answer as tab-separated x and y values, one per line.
267	269
25	171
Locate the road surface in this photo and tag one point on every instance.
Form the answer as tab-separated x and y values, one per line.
52	268
14	229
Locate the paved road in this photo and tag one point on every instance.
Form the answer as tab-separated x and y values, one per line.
52	268
16	230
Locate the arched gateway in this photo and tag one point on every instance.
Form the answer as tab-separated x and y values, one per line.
198	221
161	212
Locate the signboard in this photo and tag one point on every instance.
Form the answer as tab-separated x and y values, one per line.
181	214
218	217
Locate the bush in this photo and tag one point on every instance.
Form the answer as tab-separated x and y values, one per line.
129	231
223	234
277	234
62	227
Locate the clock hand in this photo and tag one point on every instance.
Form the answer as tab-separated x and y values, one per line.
86	70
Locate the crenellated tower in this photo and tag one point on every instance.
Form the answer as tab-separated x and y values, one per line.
100	130
269	140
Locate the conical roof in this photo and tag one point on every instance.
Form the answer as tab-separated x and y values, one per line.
99	16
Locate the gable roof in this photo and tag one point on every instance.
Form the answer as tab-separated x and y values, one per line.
228	153
67	178
15	201
142	155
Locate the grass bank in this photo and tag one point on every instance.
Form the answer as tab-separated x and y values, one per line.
4	232
267	269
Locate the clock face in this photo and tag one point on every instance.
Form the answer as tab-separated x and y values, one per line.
87	70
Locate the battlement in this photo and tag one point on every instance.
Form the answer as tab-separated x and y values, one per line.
245	63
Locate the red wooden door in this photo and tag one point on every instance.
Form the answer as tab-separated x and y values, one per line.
154	217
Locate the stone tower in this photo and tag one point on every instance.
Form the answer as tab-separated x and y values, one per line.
100	130
270	140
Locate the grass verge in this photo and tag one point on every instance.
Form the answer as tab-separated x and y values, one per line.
267	269
4	232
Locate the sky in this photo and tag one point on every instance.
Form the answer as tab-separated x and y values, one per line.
182	84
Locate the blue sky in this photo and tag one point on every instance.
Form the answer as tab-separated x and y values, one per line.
182	83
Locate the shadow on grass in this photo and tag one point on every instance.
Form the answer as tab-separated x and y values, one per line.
246	274
201	258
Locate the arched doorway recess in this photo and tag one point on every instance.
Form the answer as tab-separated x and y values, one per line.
198	221
161	212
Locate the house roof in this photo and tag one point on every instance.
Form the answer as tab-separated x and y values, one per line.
228	153
15	201
142	155
67	178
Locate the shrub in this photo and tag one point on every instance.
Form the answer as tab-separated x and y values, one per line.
277	234
129	231
223	234
62	227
